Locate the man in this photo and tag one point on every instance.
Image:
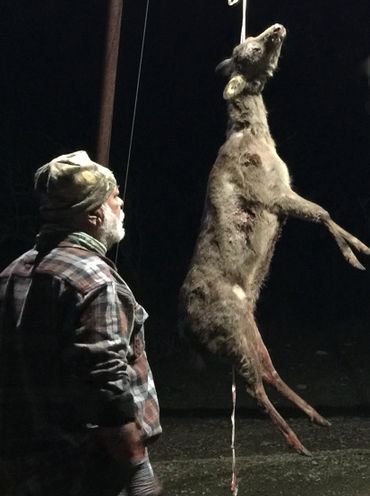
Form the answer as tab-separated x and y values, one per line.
78	404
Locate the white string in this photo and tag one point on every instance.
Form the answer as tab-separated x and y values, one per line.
234	486
234	482
136	100
244	22
133	121
244	19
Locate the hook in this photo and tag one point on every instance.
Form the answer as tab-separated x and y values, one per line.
232	2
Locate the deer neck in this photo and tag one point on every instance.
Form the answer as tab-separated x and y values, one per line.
248	113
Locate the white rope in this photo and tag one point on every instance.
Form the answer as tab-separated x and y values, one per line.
234	481
244	19
133	121
136	100
244	22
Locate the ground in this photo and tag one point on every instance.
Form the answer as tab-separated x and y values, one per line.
193	456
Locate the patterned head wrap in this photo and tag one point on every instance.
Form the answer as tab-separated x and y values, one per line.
71	184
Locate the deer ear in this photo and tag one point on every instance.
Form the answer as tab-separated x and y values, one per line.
226	67
234	87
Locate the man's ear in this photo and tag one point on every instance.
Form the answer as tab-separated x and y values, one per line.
234	87
96	218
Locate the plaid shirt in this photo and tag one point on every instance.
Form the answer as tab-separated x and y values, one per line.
72	352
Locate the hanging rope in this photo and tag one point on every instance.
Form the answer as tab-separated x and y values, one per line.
244	22
244	18
234	481
133	121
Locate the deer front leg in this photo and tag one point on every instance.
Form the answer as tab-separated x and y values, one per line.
292	204
343	239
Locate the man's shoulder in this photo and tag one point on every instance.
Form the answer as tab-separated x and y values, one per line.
83	269
24	260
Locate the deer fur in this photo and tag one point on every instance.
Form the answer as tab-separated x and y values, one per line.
248	197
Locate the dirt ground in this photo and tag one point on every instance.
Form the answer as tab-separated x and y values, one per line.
193	457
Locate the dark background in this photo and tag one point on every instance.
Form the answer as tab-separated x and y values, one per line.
318	102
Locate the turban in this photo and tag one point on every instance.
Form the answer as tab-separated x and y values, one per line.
72	184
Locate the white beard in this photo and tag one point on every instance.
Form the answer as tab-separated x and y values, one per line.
112	230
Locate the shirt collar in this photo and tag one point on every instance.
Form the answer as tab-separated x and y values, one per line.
51	236
84	240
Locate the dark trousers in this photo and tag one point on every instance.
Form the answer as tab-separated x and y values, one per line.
88	471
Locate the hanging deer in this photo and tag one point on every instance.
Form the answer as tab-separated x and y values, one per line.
248	197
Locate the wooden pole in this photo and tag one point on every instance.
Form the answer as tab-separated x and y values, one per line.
113	33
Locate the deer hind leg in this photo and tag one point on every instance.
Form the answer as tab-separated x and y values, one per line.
236	336
249	366
279	421
270	376
255	388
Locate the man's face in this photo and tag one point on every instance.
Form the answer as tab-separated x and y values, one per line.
115	203
112	229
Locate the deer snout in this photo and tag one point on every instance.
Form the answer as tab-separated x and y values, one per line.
274	35
278	30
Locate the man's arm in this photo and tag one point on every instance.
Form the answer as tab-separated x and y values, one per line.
96	359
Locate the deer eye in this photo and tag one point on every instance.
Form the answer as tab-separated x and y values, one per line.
253	51
256	49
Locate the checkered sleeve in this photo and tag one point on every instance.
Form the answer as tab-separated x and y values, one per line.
97	358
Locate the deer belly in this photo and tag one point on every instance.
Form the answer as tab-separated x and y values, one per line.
262	246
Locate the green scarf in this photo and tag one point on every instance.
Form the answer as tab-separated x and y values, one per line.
50	236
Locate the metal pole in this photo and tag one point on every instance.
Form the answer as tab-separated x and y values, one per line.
115	8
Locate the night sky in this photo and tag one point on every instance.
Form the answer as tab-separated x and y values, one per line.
319	110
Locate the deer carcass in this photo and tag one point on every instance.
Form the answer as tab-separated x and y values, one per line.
248	197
